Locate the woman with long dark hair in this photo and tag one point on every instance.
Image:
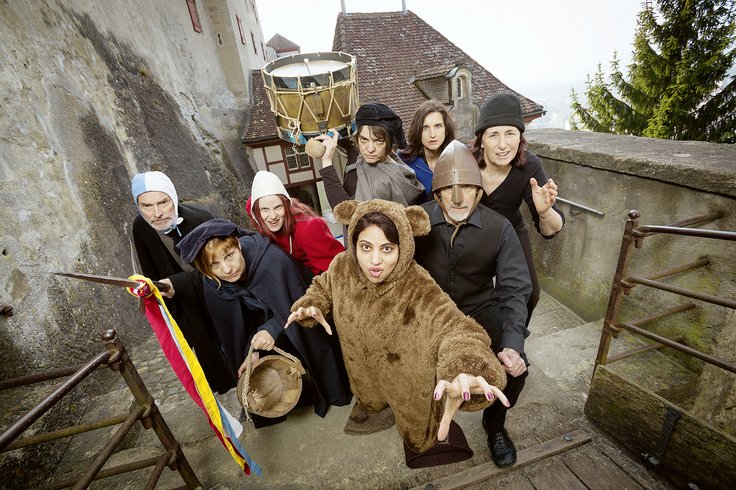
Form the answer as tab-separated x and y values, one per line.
405	343
430	130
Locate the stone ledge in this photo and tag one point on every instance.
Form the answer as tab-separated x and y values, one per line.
709	167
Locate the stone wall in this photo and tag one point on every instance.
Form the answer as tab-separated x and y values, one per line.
92	93
666	181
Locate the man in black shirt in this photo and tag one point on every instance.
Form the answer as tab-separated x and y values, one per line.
468	245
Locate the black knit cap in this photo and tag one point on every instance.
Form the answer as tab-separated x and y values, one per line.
190	246
382	115
500	110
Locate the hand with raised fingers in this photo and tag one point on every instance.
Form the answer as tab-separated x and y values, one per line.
309	312
459	390
543	196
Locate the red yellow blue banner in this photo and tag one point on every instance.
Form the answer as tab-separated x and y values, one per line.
187	368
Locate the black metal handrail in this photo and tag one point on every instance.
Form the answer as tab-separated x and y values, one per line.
647	230
634	235
709	298
35	413
146	411
678	346
580	206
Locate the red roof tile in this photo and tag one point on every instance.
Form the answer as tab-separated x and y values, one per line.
262	122
393	49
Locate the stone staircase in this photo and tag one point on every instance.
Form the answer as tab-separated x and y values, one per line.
310	452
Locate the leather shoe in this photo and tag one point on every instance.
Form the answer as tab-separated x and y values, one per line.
502	449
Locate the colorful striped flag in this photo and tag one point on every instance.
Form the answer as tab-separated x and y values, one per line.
188	370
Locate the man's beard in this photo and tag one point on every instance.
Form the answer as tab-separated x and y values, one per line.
457	215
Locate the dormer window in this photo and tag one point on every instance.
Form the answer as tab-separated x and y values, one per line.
459	80
447	83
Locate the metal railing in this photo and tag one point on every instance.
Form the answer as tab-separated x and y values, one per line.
577	206
622	285
116	358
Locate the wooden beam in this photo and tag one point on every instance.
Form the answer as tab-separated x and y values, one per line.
524	457
633	416
597	472
555	475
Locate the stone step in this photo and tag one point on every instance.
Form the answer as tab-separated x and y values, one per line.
306	449
657	372
552	316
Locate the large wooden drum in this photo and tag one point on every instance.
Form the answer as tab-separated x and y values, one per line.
312	92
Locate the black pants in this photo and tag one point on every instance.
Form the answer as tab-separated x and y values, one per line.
526	246
494	417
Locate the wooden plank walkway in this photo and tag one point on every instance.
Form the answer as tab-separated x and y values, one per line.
569	462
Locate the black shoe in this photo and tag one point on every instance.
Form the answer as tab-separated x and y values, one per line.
502	449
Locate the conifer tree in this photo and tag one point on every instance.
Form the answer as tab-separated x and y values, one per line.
678	85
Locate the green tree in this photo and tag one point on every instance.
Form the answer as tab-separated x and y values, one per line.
678	85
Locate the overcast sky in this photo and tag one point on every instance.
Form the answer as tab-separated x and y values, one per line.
522	42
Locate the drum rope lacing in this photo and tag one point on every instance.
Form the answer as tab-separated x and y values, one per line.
278	107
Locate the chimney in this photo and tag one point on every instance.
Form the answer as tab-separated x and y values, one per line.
403	6
342	3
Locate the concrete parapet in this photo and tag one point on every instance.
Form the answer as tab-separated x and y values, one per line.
667	181
701	166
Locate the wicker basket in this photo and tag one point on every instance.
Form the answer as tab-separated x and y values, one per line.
271	386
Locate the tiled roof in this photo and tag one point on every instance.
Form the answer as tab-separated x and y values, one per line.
393	50
434	72
280	44
262	123
393	47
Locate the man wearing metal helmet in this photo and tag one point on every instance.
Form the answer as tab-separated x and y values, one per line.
467	247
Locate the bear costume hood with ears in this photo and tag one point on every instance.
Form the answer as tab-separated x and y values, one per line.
410	222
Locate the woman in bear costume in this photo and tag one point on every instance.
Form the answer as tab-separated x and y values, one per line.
404	341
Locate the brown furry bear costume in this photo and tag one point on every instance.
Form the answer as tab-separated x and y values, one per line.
401	336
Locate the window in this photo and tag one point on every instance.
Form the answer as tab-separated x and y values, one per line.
246	5
192	6
296	160
263	51
462	86
240	28
253	38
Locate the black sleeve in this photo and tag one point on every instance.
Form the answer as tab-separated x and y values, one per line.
149	267
541	176
185	279
336	192
513	288
286	285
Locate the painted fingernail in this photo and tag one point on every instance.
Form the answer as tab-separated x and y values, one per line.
489	396
436	396
466	396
